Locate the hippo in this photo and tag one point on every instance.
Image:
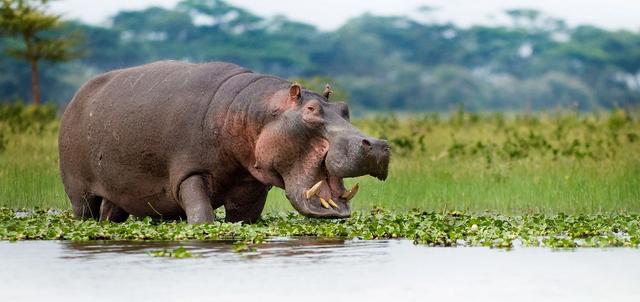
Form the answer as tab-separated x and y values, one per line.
174	140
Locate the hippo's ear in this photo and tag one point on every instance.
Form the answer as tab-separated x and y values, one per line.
327	91
294	92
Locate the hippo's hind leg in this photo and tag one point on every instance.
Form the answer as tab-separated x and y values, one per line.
245	202
111	212
195	201
86	205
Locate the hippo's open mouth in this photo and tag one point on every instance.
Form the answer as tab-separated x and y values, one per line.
323	197
330	194
318	189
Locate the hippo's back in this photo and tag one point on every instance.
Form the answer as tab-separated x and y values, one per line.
124	131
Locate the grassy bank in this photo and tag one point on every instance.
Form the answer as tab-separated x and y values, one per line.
538	163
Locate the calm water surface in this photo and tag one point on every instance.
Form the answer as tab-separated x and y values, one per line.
313	270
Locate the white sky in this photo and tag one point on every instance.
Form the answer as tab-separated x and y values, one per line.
330	14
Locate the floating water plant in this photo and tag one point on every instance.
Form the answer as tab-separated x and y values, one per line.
453	228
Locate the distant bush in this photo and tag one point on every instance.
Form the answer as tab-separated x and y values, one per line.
564	134
18	118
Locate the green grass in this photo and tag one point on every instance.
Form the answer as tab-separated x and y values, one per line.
540	163
29	174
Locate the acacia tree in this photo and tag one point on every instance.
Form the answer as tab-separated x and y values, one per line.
39	32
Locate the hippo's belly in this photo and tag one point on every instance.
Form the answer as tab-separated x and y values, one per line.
136	192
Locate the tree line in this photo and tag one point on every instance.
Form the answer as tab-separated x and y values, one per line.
376	62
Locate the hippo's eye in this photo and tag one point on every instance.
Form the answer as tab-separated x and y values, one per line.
312	114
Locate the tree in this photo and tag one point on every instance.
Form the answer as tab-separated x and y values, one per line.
39	34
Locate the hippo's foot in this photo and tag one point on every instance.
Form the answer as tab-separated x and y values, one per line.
85	205
111	212
195	200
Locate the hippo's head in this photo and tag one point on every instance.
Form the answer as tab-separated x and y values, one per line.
310	147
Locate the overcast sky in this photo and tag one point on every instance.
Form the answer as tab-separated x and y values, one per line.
330	14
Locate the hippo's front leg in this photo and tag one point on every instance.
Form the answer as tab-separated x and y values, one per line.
195	201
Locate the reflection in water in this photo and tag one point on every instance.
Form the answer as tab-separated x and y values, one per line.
310	249
312	270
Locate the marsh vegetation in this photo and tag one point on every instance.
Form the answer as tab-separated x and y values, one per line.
422	227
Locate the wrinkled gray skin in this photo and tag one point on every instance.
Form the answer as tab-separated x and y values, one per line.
174	140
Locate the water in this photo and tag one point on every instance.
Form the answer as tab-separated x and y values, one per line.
313	270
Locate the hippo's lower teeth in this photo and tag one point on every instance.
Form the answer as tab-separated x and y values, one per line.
332	203
350	193
324	203
313	190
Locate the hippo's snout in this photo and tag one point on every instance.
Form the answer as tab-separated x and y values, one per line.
355	155
377	155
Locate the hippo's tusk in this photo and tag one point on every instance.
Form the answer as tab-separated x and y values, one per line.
351	193
332	203
324	203
313	190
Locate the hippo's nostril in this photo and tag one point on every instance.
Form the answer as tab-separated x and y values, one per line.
366	143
